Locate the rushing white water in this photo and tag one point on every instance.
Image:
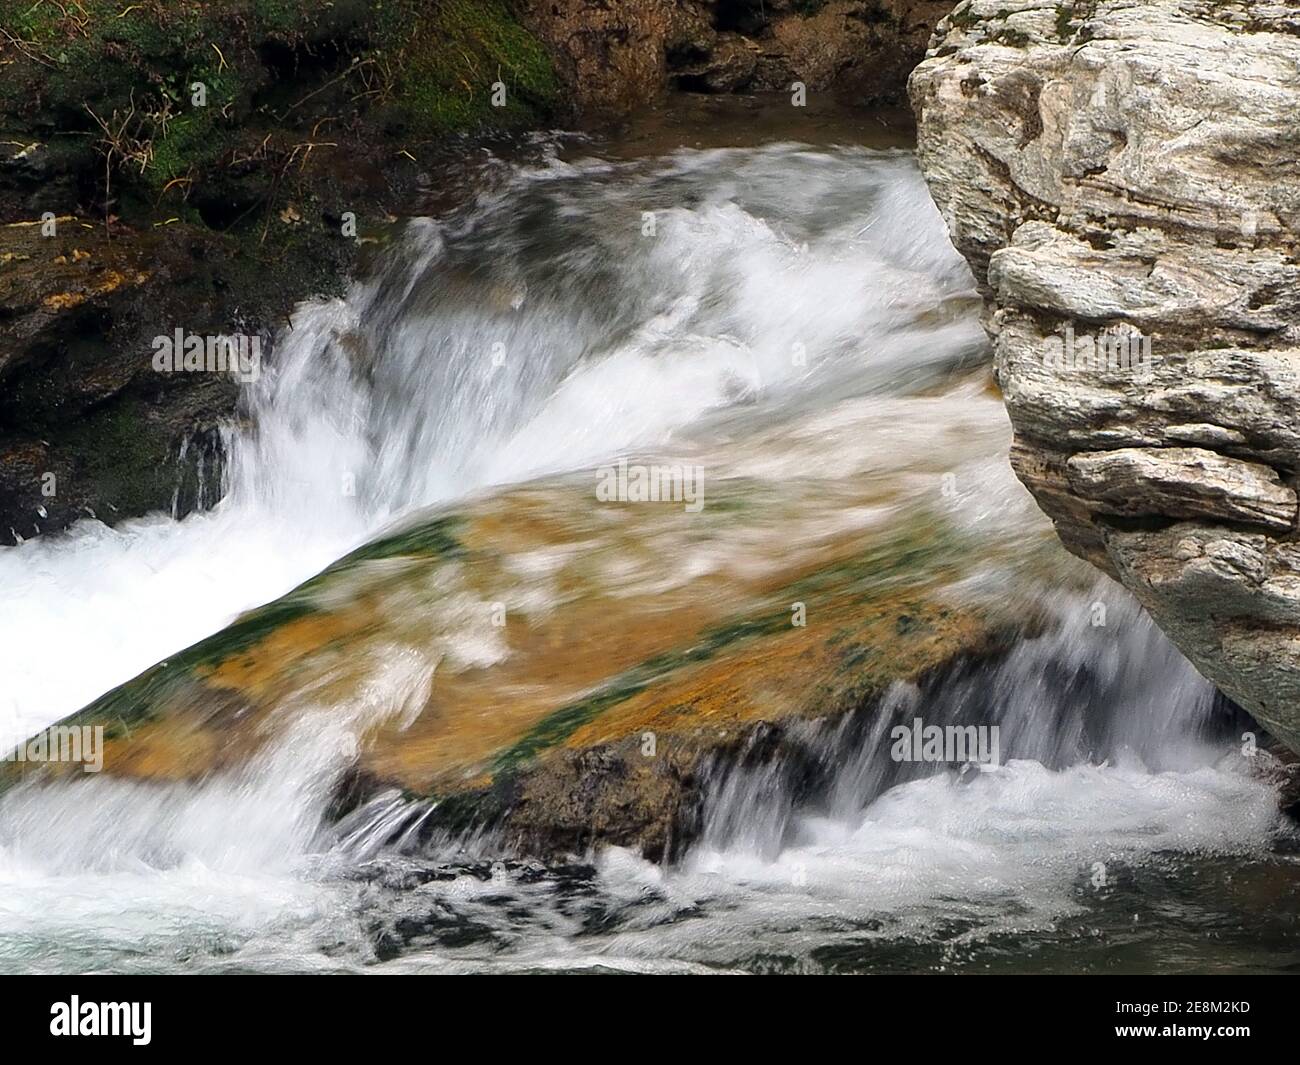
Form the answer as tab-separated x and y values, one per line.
786	296
538	331
1114	765
1108	766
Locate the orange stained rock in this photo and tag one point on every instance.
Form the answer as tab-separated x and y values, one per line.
172	748
799	673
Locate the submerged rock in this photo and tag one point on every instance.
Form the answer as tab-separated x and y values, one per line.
560	672
1123	180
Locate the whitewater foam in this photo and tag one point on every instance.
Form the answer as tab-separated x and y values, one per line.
818	330
392	399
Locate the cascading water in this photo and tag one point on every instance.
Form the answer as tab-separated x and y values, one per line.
796	309
536	331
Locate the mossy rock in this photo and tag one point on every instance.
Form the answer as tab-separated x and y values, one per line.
537	724
466	65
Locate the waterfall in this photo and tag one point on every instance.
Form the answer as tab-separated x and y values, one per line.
535	330
800	310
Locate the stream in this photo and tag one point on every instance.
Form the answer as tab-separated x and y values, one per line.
781	305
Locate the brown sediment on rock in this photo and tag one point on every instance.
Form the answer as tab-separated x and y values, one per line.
81	410
539	727
635	774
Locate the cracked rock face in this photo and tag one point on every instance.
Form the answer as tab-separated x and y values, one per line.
1124	179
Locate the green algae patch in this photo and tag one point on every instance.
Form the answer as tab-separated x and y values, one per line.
150	696
432	539
466	65
562	724
120	444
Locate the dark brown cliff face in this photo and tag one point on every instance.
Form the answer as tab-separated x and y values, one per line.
83	431
217	219
618	56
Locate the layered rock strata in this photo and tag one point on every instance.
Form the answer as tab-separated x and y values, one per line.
1124	180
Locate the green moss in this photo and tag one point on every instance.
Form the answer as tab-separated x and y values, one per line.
961	16
130	65
1067	14
1064	15
459	50
246	632
189	141
126	452
126	708
433	539
1011	38
278	15
140	699
965	18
